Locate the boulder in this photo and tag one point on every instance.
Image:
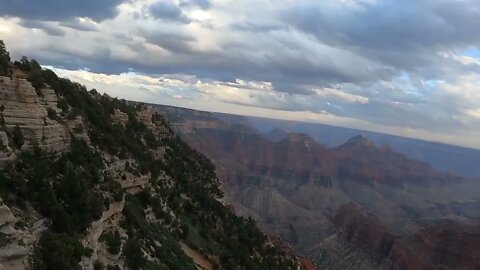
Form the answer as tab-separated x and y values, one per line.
6	216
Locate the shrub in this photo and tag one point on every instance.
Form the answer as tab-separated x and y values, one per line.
4	60
63	105
52	114
57	251
17	136
133	255
98	265
36	79
113	241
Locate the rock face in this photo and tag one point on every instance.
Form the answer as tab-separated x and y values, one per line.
119	117
23	107
444	245
6	216
157	124
6	152
49	99
76	127
362	229
16	244
146	116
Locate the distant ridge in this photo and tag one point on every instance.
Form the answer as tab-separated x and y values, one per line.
443	157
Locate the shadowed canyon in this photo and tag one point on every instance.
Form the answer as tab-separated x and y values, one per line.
354	206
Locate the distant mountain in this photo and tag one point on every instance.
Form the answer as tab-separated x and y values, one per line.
443	157
353	206
276	135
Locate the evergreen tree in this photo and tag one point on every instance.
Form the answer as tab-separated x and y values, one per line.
4	59
17	137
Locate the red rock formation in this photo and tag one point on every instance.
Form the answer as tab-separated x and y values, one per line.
451	244
447	245
306	264
363	229
405	257
360	159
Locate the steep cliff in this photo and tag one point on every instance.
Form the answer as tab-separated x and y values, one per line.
22	106
90	182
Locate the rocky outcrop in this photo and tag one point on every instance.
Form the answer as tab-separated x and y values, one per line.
306	264
16	244
444	245
6	152
363	229
449	244
22	106
76	127
147	116
156	123
119	117
6	219
49	99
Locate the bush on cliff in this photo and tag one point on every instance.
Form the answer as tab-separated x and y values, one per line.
4	59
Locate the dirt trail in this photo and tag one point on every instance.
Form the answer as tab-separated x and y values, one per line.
200	261
91	239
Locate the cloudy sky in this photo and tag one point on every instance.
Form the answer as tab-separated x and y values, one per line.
408	67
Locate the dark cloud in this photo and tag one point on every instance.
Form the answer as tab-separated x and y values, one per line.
173	42
47	27
385	52
404	34
203	4
59	10
168	11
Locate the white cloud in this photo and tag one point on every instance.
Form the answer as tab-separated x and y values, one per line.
346	67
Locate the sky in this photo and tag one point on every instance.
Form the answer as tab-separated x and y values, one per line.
409	68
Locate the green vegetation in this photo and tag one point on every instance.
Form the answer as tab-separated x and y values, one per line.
148	235
98	265
17	136
4	60
113	241
52	114
57	251
34	72
73	189
61	188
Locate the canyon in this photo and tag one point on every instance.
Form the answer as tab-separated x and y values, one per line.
354	206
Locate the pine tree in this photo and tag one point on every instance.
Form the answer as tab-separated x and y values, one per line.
4	59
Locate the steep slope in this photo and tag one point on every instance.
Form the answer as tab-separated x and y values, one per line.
90	182
298	189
